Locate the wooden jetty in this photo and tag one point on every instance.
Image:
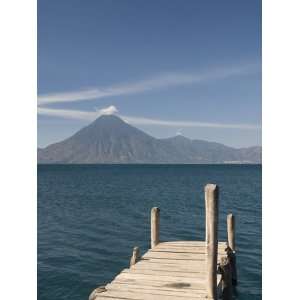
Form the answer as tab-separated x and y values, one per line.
179	269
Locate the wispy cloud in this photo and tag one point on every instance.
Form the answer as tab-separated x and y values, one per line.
91	115
157	82
77	114
168	123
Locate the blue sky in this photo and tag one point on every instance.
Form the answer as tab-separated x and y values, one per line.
167	67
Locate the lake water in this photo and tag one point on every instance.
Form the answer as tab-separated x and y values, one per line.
91	216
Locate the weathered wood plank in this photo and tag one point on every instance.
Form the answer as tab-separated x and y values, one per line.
167	278
155	285
161	284
188	262
144	296
192	250
158	290
174	255
184	243
168	267
164	273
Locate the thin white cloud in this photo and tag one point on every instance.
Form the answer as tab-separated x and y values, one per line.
168	123
156	82
77	114
91	115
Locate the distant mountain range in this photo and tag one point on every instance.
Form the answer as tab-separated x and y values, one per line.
111	140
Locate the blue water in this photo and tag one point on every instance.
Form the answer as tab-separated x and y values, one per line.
91	216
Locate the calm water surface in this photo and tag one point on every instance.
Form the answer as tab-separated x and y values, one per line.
91	216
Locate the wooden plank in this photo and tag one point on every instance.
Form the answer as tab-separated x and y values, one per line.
174	255
166	273
161	284
149	290
168	268
192	250
144	296
163	265
185	248
191	263
187	244
166	278
181	253
155	285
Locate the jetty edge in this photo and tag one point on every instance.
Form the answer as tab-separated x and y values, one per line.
180	269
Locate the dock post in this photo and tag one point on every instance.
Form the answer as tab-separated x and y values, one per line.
206	215
231	245
135	256
211	199
225	269
154	226
231	231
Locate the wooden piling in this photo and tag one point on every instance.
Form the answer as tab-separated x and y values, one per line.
206	215
211	196
135	256
225	270
154	226
231	245
231	231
